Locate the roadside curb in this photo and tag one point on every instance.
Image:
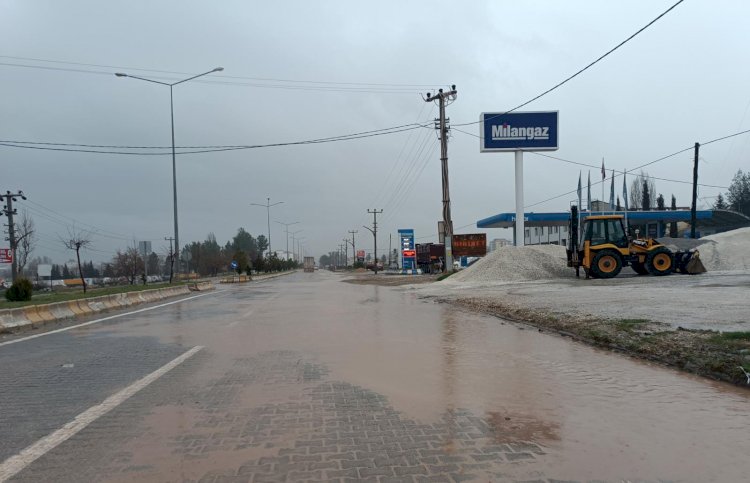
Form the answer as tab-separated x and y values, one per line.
13	320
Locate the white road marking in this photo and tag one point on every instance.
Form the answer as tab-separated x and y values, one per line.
15	341
15	464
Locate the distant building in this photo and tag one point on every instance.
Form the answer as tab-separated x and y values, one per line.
545	235
499	242
552	228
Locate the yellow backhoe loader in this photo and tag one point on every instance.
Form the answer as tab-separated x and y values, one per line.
603	248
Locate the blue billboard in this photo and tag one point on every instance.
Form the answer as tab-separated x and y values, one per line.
407	249
518	131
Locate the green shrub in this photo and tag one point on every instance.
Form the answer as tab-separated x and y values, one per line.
20	290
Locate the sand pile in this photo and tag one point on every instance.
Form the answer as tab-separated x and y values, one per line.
514	264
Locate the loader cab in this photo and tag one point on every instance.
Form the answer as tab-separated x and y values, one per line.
603	230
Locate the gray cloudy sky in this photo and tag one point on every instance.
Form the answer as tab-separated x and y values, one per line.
681	81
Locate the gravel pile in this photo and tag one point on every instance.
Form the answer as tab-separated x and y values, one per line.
515	264
726	251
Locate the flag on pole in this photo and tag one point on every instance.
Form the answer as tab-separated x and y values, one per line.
612	192
588	199
604	173
579	191
624	191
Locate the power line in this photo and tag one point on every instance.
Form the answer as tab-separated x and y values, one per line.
600	58
99	230
622	172
346	137
630	170
31	59
258	82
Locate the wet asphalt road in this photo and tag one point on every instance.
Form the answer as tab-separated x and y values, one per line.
306	378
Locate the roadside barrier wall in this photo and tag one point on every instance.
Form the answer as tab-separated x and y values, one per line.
35	315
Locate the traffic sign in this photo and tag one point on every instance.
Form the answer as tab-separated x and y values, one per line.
6	255
234	265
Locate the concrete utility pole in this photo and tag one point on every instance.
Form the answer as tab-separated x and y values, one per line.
374	231
695	192
354	246
171	257
9	211
346	252
268	206
442	126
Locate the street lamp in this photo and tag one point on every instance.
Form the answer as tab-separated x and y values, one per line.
294	233
268	206
286	225
174	156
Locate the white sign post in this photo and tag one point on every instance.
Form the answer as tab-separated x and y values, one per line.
518	132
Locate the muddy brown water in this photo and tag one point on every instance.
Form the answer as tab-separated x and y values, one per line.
590	414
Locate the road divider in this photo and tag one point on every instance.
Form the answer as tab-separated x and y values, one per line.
12	320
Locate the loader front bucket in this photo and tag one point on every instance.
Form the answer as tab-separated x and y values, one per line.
689	262
695	266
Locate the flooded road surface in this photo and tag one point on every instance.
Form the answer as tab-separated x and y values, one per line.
308	378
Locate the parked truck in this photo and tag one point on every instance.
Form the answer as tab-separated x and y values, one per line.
309	264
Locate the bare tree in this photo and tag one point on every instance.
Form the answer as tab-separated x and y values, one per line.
75	241
636	191
25	240
128	264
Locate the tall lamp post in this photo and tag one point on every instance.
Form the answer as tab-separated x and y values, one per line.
268	206
300	247
297	239
286	227
174	155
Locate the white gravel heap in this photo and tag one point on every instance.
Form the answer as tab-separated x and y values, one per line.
726	251
514	264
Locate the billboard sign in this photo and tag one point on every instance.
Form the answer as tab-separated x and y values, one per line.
408	251
44	270
472	245
518	131
6	255
360	255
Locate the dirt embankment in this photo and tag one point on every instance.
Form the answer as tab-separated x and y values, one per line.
708	353
697	324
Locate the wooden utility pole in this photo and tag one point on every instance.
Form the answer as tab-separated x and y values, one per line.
9	211
695	192
354	246
374	231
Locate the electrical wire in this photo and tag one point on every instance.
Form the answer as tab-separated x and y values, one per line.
565	81
346	137
257	82
627	171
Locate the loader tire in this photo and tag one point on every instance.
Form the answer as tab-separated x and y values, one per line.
606	264
660	261
639	268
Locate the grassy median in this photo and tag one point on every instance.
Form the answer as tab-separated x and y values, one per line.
63	294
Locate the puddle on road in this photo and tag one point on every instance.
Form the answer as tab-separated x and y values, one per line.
595	415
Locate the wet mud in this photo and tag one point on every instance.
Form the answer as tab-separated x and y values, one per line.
319	380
